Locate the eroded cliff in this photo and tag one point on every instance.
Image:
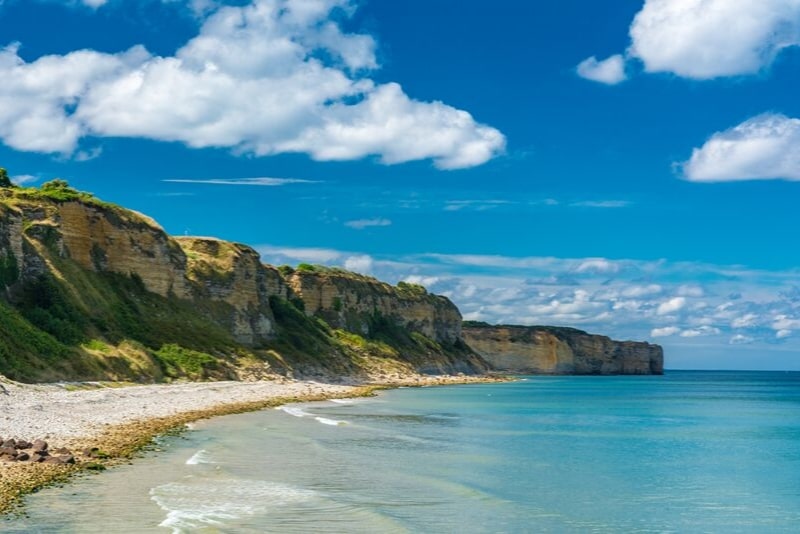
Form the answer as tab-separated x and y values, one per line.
91	290
553	350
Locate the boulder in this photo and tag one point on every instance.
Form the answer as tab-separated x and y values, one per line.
23	457
22	444
39	445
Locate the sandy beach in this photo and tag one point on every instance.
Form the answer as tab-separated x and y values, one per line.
119	420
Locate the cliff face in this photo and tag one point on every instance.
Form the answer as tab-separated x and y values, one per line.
230	273
91	278
359	304
550	350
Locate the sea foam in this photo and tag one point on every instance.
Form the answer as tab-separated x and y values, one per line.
203	503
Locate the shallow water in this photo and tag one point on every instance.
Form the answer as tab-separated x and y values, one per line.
690	451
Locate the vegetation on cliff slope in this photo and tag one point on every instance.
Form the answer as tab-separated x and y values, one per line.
60	320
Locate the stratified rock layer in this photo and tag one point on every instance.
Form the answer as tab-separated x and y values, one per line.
561	351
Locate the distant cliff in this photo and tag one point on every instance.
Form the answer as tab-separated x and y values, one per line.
89	290
561	351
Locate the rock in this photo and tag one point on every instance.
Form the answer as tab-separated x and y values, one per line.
39	445
8	451
91	452
37	458
12	443
61	450
60	460
22	444
23	457
561	351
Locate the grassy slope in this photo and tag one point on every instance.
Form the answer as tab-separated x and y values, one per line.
74	324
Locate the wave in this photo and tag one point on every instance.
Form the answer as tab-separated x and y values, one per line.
200	457
331	422
203	503
294	411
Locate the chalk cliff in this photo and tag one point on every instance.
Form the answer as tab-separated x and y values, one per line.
553	350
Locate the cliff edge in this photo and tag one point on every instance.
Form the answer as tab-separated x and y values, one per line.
93	291
560	351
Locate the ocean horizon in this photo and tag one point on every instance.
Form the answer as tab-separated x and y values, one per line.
690	451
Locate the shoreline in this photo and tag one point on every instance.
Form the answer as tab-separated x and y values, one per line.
122	421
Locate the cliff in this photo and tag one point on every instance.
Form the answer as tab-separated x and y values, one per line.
89	290
552	350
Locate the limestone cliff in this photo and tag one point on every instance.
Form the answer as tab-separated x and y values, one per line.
357	303
552	350
92	290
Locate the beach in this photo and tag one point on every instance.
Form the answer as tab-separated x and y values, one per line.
119	419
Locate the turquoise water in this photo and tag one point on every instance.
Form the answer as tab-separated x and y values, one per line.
686	452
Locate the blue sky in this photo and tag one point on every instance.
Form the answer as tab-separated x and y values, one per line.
630	168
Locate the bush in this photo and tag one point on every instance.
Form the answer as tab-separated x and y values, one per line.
178	361
5	181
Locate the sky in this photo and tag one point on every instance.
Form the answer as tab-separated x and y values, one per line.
629	168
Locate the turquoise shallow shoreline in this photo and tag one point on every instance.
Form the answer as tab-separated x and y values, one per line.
688	452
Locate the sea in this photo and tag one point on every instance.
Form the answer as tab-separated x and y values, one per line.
689	451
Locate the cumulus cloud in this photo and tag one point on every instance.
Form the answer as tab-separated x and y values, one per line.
671	306
361	224
300	83
764	147
610	71
665	331
705	39
361	264
701	331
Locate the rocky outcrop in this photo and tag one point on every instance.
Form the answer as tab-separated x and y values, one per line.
230	273
362	304
561	351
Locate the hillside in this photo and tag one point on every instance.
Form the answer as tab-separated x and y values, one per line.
92	291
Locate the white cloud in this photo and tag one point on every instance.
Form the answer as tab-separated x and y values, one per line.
287	99
670	306
665	331
701	331
740	339
606	204
641	291
361	224
597	265
705	39
782	334
745	321
263	181
477	205
425	281
610	71
24	179
784	322
280	255
764	147
361	264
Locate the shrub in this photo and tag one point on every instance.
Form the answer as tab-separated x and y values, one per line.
178	361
